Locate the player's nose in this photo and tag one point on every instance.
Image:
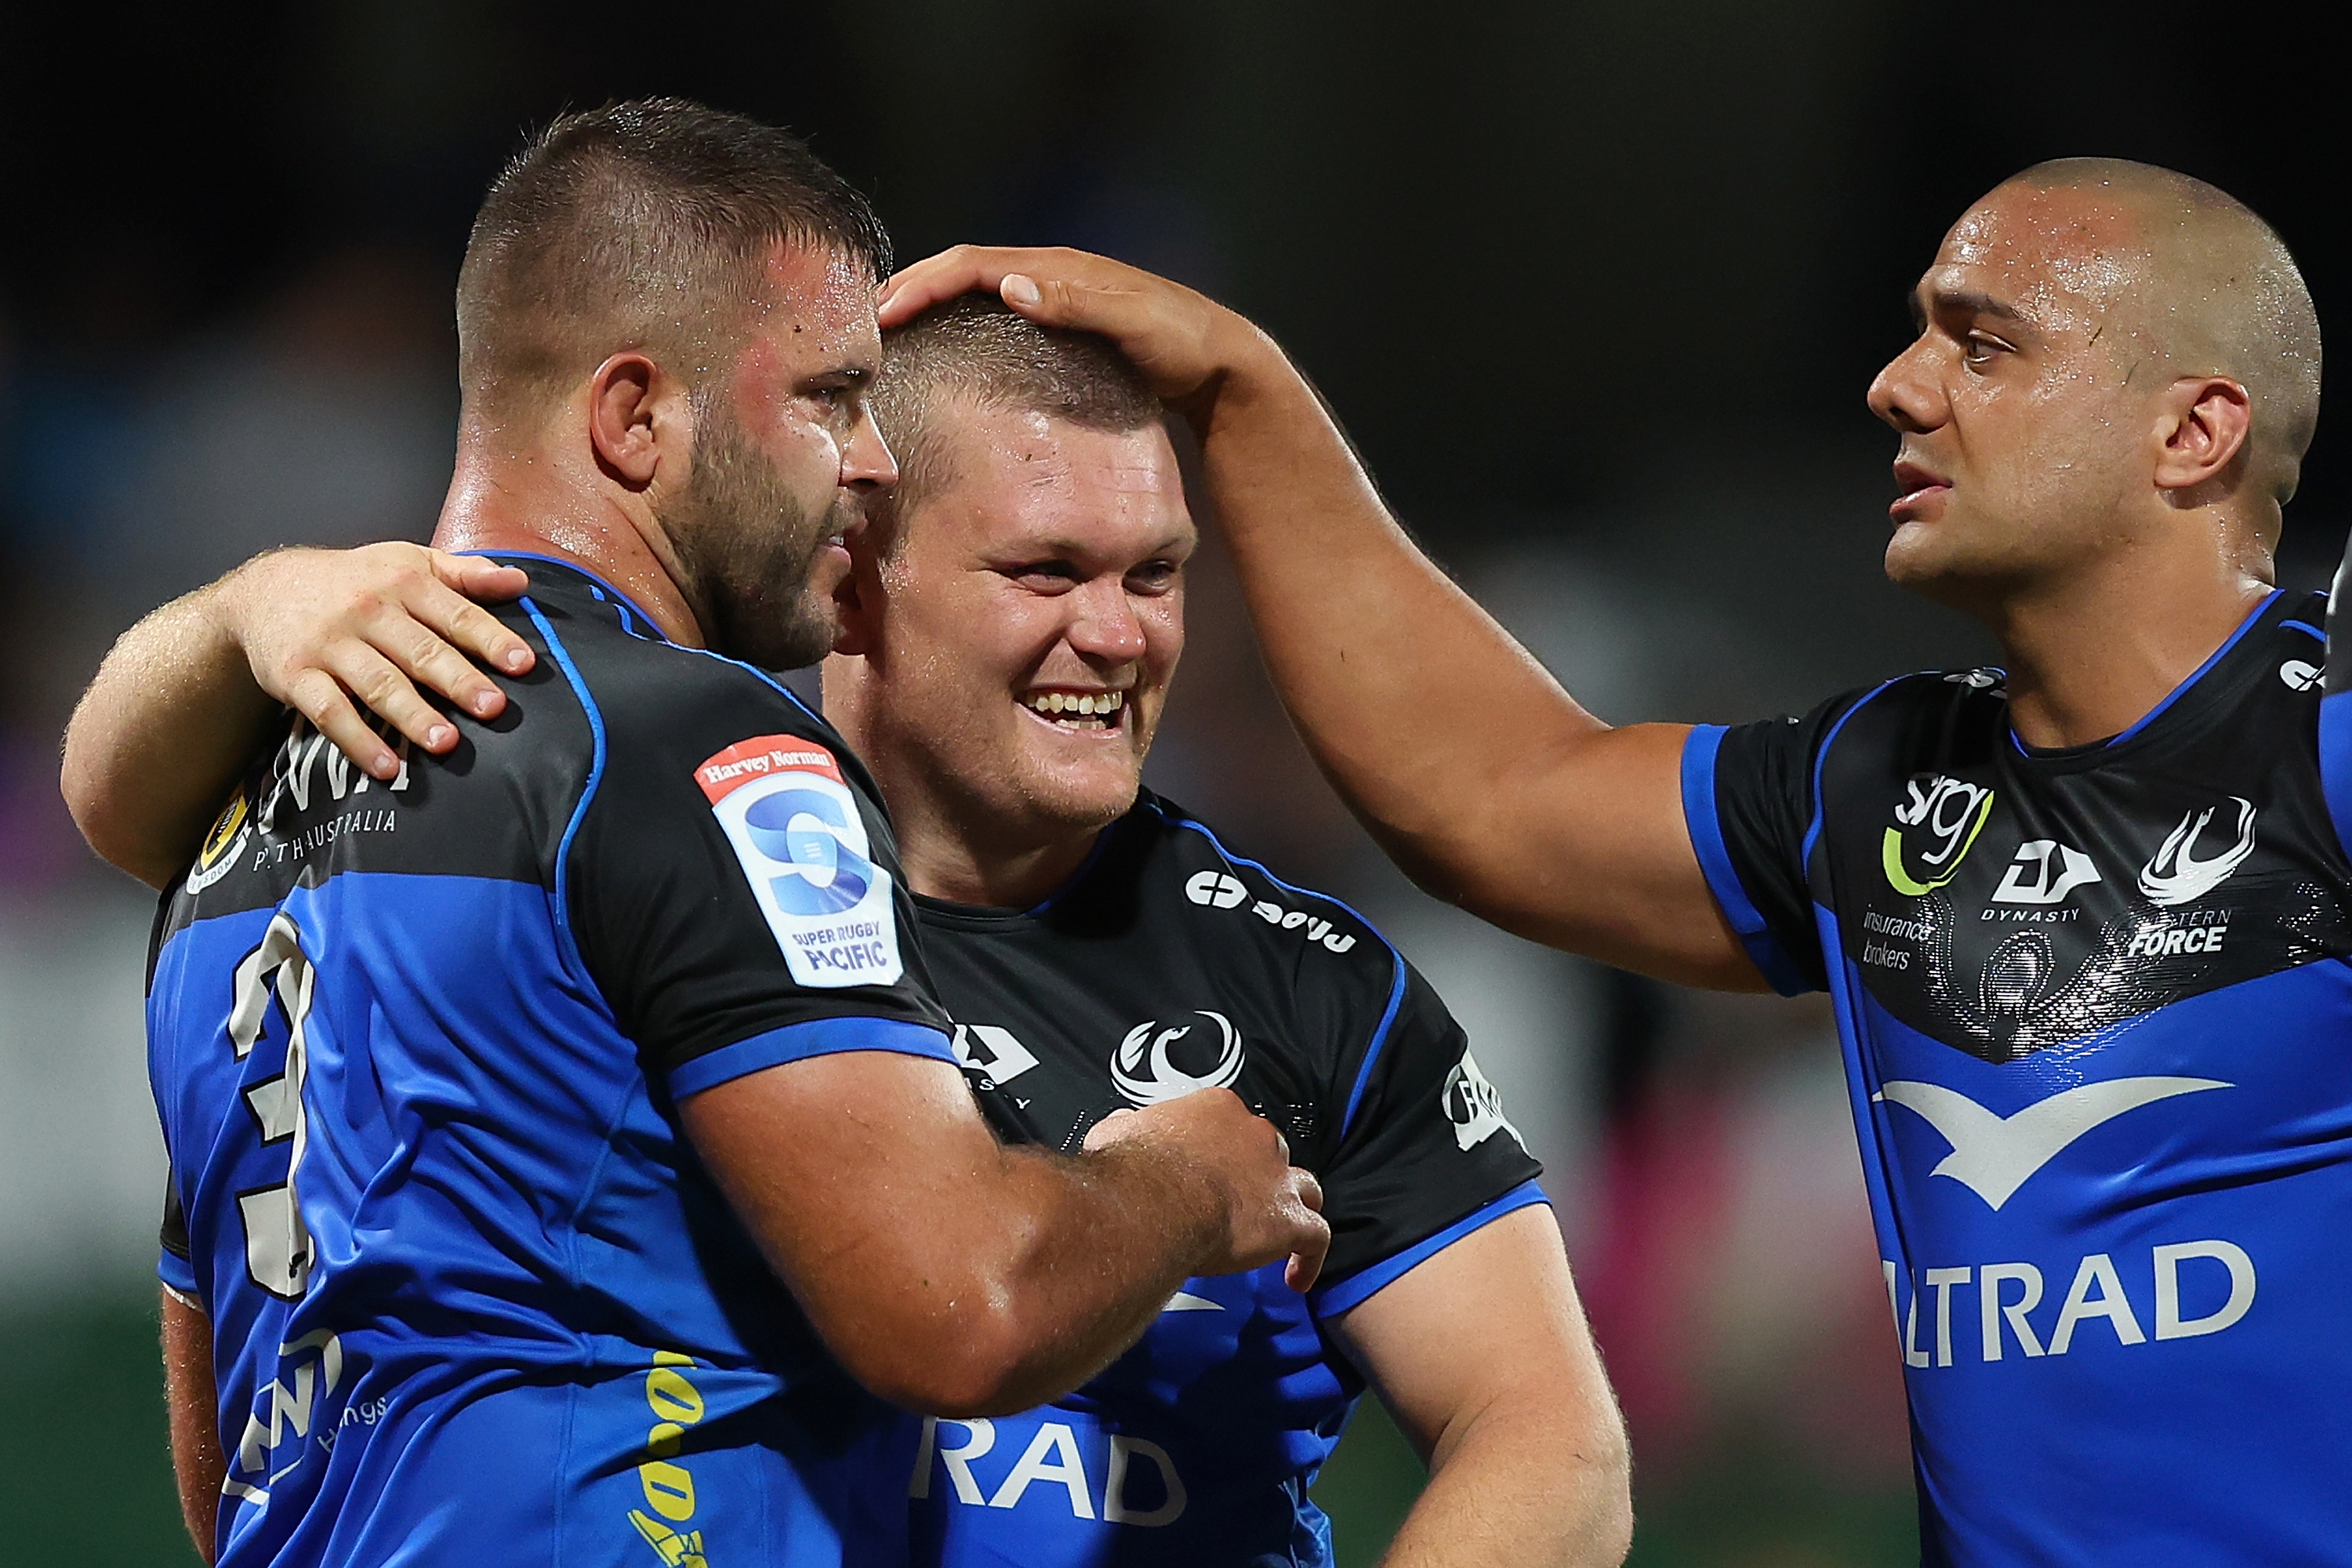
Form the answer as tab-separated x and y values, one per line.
1103	624
1904	395
865	458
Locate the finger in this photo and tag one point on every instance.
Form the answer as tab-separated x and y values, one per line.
379	683
449	609
1306	1264
951	274
1310	1190
431	632
479	577
430	663
314	694
1110	1130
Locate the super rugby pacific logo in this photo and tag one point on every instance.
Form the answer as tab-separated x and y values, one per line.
1936	825
796	830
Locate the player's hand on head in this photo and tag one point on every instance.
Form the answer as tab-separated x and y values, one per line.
328	632
1272	1209
1178	339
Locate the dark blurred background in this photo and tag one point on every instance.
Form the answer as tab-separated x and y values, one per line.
1598	289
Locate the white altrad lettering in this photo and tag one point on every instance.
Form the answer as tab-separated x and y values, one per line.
1055	1455
2216	1278
1992	1156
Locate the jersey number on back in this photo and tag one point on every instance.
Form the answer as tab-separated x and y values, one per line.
276	1243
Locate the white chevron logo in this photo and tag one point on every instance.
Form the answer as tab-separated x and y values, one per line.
1185	1301
1993	1156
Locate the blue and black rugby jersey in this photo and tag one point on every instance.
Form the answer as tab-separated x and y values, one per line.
1169	965
417	1050
2098	1029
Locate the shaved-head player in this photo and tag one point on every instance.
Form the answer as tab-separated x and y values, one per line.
2083	918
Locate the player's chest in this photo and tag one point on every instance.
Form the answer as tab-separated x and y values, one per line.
2002	907
1056	1034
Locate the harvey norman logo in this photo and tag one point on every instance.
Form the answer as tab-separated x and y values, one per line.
801	839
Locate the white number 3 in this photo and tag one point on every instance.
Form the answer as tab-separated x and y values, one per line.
276	1243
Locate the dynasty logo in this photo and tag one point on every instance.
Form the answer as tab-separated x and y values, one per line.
1935	828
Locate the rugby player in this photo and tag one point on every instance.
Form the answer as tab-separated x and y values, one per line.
2082	918
560	1122
1009	630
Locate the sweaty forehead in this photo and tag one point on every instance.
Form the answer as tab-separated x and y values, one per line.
2043	251
1019	472
817	307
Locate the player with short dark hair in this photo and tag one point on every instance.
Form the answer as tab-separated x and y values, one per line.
2084	918
561	1131
1009	630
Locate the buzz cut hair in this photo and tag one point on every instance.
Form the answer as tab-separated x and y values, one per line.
640	225
976	349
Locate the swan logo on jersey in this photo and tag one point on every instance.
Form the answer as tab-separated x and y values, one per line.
1145	1069
1992	1156
1474	1106
1948	813
2174	876
796	829
2055	870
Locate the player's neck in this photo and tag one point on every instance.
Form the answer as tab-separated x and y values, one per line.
2090	657
973	865
532	502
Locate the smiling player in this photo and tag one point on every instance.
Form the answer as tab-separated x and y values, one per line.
1012	618
560	1129
2083	920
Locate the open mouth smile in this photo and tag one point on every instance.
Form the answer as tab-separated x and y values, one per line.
1081	712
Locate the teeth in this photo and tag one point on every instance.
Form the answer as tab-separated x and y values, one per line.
1085	705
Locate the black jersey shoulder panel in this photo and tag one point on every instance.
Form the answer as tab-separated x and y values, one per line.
663	911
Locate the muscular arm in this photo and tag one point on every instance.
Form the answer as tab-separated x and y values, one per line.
196	1458
1482	1356
1476	771
186	696
960	1277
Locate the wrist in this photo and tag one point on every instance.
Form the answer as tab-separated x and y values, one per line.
1177	1192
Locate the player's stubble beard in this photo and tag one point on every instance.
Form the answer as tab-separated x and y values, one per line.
745	546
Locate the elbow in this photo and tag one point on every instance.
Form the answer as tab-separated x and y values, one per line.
105	825
965	1361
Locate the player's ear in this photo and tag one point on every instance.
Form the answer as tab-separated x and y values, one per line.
634	415
856	604
2203	424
